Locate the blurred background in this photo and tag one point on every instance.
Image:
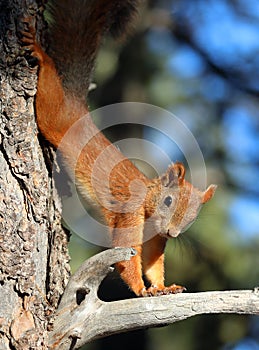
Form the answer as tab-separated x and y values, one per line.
199	60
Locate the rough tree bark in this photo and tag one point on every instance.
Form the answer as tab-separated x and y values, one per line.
34	258
33	246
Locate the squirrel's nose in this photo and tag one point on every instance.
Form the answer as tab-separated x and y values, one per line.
173	232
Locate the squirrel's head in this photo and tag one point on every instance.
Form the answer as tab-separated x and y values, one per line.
179	202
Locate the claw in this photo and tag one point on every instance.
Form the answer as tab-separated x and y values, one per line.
29	39
144	293
157	291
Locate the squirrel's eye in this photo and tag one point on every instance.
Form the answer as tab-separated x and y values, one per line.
168	201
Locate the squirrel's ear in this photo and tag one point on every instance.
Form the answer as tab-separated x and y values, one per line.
209	193
174	175
180	171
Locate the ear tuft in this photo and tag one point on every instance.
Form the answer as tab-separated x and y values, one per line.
180	171
209	193
174	175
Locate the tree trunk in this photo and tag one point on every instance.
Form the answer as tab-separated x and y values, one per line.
33	246
34	257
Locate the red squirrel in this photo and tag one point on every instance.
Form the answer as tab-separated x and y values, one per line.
166	205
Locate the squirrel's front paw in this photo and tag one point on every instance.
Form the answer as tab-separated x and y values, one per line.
28	32
144	293
162	290
28	39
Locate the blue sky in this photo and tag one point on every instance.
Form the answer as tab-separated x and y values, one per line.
230	36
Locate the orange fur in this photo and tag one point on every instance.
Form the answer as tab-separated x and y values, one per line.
130	211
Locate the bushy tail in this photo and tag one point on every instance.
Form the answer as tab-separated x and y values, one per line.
76	31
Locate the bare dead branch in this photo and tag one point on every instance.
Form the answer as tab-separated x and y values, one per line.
83	317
